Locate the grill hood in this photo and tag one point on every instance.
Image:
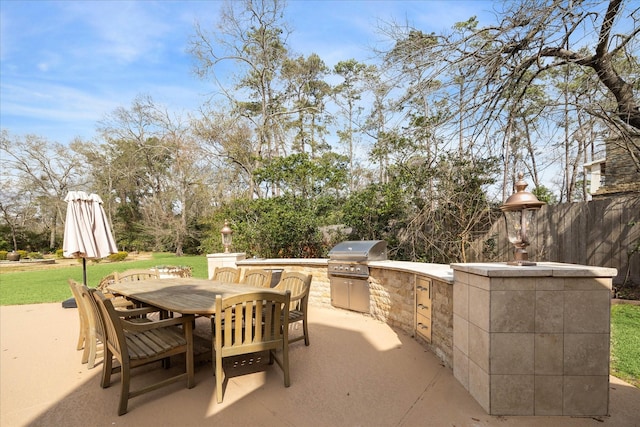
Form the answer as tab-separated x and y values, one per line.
359	250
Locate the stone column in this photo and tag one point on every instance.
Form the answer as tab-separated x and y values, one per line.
223	260
533	340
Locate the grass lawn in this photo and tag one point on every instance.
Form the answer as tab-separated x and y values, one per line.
625	342
50	285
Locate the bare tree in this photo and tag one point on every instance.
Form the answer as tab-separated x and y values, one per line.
46	170
348	97
500	64
156	173
251	36
536	36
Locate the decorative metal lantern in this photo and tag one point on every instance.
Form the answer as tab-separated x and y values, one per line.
518	213
226	232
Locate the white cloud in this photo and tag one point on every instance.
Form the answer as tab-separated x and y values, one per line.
65	64
45	101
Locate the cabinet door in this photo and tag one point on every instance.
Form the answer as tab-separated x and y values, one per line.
423	307
359	295
340	292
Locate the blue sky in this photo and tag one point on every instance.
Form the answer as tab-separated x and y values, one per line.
64	65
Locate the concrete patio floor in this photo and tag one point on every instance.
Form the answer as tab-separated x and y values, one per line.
356	372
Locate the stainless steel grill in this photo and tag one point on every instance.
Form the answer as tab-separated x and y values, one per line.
349	273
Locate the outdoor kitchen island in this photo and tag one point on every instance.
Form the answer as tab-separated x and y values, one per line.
527	340
392	295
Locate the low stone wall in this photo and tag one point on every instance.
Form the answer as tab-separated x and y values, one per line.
392	296
393	302
442	321
320	292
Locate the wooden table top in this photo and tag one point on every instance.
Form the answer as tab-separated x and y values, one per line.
181	295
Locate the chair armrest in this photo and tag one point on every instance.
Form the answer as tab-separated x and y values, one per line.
135	312
137	327
297	297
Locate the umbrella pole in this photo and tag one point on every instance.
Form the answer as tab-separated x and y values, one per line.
84	271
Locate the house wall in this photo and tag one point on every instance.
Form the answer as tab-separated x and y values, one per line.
622	174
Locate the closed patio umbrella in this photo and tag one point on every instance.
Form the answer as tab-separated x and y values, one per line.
86	230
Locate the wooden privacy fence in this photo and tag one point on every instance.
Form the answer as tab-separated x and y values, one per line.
603	233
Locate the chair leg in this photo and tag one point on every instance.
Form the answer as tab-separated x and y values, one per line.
80	345
306	332
166	362
124	389
189	355
106	368
285	364
91	363
85	352
219	373
93	349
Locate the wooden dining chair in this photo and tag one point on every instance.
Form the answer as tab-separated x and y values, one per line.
94	341
135	344
93	329
118	301
135	275
250	323
226	274
82	316
256	277
299	285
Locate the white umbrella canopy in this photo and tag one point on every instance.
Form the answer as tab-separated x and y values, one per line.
86	230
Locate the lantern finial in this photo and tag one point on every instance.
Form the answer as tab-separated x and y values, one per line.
518	213
226	232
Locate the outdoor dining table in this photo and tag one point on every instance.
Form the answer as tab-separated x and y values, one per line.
180	295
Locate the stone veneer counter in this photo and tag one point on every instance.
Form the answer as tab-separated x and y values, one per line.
392	286
522	340
533	340
437	271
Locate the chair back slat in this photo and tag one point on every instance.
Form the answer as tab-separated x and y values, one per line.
95	320
114	335
135	275
249	323
257	277
299	285
106	281
226	274
250	319
83	339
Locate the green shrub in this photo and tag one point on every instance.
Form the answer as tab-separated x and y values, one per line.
23	254
35	255
59	253
120	256
3	255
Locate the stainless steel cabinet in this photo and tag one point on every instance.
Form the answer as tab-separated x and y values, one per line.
423	307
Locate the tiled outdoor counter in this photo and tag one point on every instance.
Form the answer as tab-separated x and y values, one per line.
533	340
521	340
392	294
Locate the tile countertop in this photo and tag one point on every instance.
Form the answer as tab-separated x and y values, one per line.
438	271
444	272
542	269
